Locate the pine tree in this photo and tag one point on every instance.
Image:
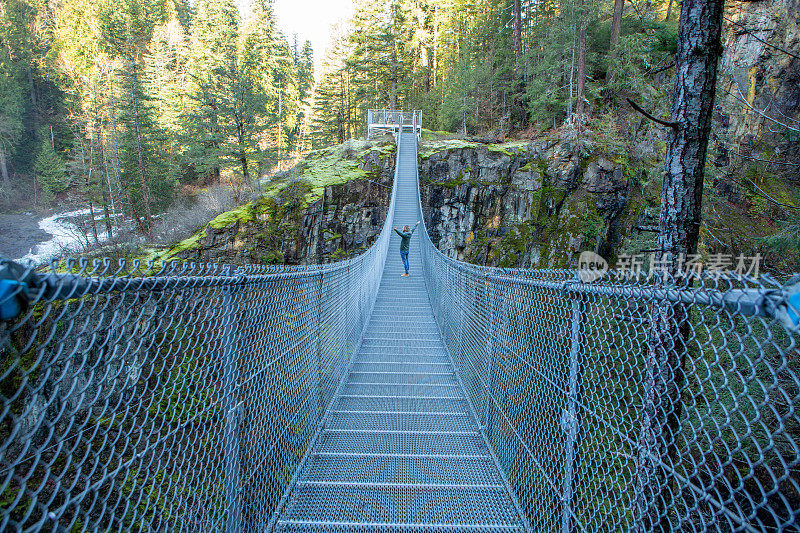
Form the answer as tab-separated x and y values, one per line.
18	100
305	90
50	170
11	110
213	52
334	118
166	63
305	73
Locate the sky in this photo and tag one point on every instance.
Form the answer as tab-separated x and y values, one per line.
310	19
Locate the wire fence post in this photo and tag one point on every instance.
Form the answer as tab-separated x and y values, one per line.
490	349
231	432
461	316
316	356
569	418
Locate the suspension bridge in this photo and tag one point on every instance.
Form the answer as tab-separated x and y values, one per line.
344	398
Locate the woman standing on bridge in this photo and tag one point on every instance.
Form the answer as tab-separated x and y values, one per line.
405	241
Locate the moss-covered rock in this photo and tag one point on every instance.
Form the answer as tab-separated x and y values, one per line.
332	201
521	203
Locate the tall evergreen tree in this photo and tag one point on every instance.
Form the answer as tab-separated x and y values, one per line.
11	112
213	52
50	170
19	54
334	118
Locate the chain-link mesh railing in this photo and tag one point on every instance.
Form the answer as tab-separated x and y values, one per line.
181	398
630	404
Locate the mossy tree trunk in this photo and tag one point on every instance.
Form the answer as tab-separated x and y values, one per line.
679	226
581	76
616	30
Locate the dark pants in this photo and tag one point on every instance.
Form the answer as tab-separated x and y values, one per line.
404	257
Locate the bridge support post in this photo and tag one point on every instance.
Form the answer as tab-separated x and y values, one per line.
491	341
570	419
231	431
315	357
463	298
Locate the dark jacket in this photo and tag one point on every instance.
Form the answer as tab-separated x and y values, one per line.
405	238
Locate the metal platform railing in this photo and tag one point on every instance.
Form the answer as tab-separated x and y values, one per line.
187	398
393	121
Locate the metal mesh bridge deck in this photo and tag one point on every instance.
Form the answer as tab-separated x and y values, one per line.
401	449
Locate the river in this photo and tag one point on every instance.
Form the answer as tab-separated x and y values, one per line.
32	240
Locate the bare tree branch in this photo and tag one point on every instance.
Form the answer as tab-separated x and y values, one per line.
741	98
673	125
662	69
756	37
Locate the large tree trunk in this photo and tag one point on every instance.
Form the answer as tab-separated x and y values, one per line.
616	29
98	148
143	181
34	100
435	47
245	172
581	96
4	170
94	224
86	168
107	214
349	108
679	226
428	80
280	131
121	187
519	100
517	33
393	81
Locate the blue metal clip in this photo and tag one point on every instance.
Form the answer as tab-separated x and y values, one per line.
10	290
793	308
788	311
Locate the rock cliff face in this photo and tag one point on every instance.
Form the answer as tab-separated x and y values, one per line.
757	71
531	204
328	208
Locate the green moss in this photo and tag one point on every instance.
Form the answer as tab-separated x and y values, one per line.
432	135
383	148
332	169
591	224
333	236
191	243
428	148
511	248
511	148
240	214
321	168
499	148
111	421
